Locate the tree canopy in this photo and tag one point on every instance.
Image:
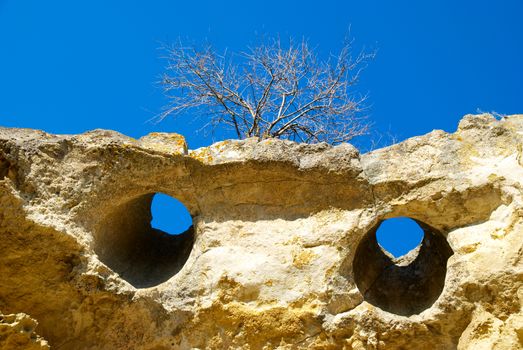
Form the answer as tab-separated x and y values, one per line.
270	90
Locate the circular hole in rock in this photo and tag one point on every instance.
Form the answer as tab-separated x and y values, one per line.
145	256
169	215
396	278
398	236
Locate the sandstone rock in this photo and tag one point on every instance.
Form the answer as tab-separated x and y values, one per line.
17	332
282	252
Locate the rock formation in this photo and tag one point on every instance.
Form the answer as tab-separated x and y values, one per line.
282	253
17	332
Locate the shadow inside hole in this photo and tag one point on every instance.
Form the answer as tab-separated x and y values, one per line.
142	255
406	285
4	167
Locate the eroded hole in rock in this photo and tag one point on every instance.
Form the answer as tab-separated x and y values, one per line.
398	236
404	285
169	215
143	255
4	167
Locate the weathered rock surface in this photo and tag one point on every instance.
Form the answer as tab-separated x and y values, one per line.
17	332
282	253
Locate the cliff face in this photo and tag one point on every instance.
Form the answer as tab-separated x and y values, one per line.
282	253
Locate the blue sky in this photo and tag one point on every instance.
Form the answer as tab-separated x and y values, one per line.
399	235
72	66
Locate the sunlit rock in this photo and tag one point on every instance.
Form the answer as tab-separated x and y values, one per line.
282	253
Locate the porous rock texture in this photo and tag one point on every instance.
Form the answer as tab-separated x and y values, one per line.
17	332
282	253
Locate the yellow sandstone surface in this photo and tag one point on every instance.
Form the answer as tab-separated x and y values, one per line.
282	253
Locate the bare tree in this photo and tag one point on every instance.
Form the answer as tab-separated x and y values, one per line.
270	90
